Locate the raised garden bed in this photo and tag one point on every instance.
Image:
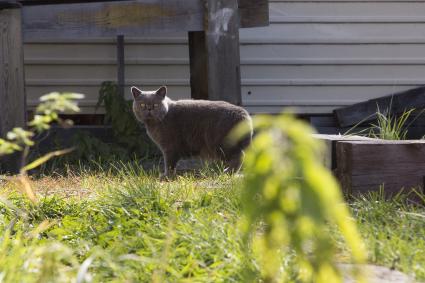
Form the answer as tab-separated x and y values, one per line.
363	165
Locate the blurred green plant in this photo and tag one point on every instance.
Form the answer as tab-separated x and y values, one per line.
129	141
46	114
289	200
19	139
24	257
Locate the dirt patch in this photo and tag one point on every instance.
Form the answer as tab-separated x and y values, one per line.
375	274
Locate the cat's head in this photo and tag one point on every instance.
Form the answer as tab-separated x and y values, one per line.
150	105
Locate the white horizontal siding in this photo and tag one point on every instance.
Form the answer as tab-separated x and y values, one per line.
315	56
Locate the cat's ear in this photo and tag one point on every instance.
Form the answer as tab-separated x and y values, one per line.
136	92
162	92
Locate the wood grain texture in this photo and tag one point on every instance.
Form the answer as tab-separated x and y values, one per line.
129	18
330	141
198	65
222	46
396	103
254	13
121	64
12	91
365	166
214	54
55	2
9	4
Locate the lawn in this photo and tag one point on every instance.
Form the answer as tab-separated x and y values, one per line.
124	225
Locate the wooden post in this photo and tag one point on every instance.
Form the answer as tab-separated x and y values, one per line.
198	65
214	54
12	90
120	65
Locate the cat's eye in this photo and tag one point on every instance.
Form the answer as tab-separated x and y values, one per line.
142	105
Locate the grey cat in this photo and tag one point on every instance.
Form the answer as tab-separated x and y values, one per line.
186	128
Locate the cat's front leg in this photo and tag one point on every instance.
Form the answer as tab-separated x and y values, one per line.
234	163
170	162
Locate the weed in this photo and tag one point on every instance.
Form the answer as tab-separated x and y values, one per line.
388	125
129	227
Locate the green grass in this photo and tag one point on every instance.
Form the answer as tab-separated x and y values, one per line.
125	226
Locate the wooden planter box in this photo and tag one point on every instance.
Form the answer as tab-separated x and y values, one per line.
363	165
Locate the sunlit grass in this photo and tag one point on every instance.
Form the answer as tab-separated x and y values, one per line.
124	225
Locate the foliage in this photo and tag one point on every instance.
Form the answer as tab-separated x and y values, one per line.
138	231
129	227
294	199
128	132
46	113
393	230
25	258
133	228
390	127
129	141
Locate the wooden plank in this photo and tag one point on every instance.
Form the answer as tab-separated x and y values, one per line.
9	4
365	111
130	18
12	91
329	157
198	65
365	166
55	2
254	13
120	65
109	19
214	54
323	121
222	47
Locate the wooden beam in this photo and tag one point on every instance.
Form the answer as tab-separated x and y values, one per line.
254	13
12	91
129	18
55	2
9	4
396	103
215	56
365	166
109	19
198	65
120	65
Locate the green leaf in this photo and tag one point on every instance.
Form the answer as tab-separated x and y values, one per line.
45	158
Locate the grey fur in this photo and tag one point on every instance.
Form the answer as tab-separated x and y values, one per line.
186	128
